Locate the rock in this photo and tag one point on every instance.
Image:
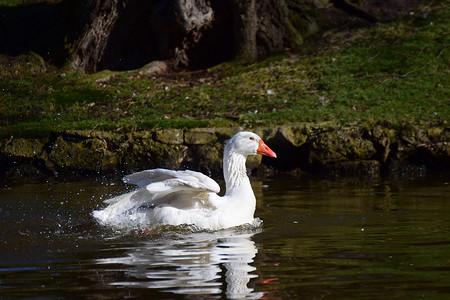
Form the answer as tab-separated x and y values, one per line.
142	135
89	155
145	153
170	136
253	162
285	141
154	67
167	156
360	168
382	138
430	148
23	148
420	148
438	133
205	158
30	63
435	156
300	147
339	145
296	134
440	152
225	133
200	136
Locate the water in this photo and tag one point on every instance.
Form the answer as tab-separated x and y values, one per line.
321	238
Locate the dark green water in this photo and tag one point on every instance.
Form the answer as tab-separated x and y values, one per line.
321	239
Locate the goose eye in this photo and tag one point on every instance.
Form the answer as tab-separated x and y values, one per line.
251	138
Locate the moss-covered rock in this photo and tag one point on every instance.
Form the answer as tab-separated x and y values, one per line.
382	139
170	136
206	159
295	134
88	155
30	63
145	153
99	134
225	133
23	148
339	145
200	136
167	155
324	147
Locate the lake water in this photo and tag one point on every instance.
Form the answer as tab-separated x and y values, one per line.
322	238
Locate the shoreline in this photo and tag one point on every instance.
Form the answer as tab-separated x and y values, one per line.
316	148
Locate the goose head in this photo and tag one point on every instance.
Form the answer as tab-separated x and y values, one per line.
248	143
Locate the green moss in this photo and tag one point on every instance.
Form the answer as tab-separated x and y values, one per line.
25	148
91	154
170	136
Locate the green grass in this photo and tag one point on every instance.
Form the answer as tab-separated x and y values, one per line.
396	73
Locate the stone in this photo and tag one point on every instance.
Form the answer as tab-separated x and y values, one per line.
296	134
25	148
87	155
225	133
253	162
354	168
167	156
200	136
299	146
339	145
382	139
170	136
154	67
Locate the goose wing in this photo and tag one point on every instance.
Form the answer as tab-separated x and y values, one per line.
163	180
162	187
182	190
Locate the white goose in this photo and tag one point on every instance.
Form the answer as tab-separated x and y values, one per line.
187	197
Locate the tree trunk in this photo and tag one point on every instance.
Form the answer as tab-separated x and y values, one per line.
94	40
245	25
126	34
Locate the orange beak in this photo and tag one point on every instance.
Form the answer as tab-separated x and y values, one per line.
263	149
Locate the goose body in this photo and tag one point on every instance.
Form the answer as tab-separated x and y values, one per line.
187	197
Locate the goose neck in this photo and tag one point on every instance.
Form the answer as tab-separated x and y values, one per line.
234	171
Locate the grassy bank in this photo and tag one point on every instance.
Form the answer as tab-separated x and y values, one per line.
396	73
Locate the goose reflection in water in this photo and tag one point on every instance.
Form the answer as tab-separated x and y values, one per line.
197	263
